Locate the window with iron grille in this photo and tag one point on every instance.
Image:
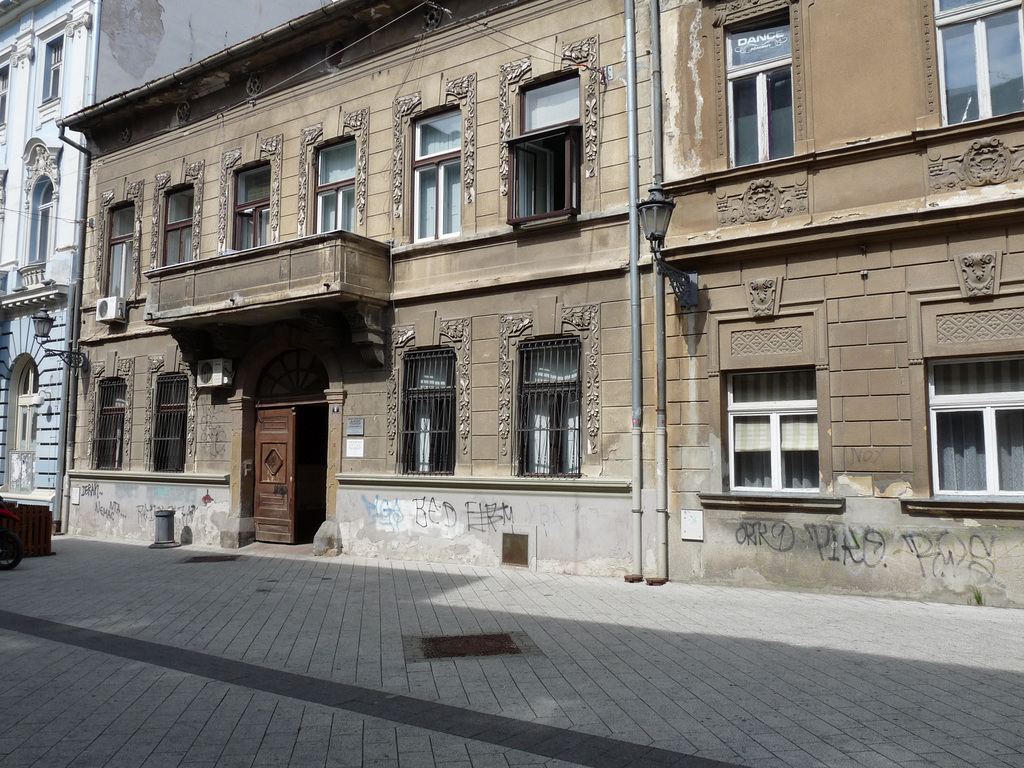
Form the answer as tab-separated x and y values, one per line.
169	423
428	412
549	407
109	437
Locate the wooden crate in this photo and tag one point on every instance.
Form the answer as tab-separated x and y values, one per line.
35	529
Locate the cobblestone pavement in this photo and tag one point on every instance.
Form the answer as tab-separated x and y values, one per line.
121	655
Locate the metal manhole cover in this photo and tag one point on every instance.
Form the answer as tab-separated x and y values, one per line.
210	558
463	646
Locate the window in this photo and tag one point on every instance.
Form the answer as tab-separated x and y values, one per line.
759	71
773	422
26	417
336	188
438	168
122	240
178	226
5	85
428	412
109	424
977	426
169	422
546	157
549	407
981	65
51	69
41	223
252	209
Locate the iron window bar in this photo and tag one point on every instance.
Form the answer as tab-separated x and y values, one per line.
428	412
549	402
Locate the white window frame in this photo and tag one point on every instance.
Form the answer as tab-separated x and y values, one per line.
760	70
775	410
342	191
442	164
976	13
988	404
26	413
54	49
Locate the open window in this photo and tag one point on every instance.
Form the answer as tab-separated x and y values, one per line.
336	187
546	156
981	63
252	207
759	69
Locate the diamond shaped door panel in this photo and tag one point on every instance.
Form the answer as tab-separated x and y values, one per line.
275	475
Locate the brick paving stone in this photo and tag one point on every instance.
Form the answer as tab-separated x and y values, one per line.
749	677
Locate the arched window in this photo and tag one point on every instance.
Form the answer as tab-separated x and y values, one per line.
41	221
25	413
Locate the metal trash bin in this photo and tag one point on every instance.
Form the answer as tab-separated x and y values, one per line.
164	530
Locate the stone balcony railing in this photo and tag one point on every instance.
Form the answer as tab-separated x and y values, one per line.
281	281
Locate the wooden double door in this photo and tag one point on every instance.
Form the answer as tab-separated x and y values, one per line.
291	472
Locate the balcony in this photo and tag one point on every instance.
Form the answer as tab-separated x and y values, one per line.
282	281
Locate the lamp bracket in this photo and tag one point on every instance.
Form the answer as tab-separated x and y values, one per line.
684	284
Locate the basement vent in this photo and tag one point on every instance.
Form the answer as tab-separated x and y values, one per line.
515	549
210	558
465	646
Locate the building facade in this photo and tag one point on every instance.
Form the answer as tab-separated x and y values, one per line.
848	397
45	50
364	280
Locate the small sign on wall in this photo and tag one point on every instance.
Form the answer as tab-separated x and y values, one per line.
691	524
354	426
354	448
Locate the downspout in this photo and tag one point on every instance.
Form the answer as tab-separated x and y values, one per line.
634	302
658	278
69	403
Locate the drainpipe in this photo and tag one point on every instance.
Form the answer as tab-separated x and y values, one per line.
658	278
634	302
73	326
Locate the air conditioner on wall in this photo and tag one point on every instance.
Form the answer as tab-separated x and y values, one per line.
110	310
216	372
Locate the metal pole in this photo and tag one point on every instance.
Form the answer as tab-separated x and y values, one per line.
658	278
73	326
634	303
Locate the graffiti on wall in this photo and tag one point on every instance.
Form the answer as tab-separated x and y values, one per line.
429	512
939	553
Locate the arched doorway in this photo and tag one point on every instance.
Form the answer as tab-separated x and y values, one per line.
290	492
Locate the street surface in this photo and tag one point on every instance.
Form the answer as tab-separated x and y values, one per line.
119	655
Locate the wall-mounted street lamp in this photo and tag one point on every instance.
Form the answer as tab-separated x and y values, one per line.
655	214
42	322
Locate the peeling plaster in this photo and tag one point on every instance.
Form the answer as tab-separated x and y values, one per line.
135	29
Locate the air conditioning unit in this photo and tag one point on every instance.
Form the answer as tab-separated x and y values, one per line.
217	372
110	310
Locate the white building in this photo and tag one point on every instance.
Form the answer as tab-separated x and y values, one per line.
53	62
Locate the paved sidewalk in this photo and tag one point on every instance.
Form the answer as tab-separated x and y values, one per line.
121	655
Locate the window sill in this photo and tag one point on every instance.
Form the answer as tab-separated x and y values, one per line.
981	506
775	502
